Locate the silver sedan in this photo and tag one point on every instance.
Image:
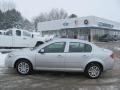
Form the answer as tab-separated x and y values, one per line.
62	55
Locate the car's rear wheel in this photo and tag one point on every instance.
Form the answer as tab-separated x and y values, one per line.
24	67
93	70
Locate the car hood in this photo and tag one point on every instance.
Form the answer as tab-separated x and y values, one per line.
21	51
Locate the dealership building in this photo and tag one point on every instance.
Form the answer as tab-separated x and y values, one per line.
85	28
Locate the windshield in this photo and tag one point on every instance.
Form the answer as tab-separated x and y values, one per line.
34	48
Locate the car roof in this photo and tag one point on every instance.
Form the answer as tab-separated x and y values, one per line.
70	40
66	40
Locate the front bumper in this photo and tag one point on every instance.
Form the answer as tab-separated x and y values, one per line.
9	62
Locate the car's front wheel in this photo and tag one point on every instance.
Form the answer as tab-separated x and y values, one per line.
24	67
93	71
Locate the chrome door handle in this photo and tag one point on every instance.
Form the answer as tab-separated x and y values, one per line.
85	55
59	55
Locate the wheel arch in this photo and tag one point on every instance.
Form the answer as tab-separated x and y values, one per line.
22	59
95	62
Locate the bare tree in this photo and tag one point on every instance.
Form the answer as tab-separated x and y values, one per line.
54	14
63	14
41	18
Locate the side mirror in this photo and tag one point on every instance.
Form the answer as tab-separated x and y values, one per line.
41	51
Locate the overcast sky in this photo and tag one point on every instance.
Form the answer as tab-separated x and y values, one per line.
109	9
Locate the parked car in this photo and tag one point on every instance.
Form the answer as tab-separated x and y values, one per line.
107	38
116	37
17	39
62	55
48	37
2	32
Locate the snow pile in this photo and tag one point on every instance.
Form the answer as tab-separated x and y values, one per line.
117	48
2	60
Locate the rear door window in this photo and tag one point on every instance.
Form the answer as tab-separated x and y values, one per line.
18	33
79	47
26	34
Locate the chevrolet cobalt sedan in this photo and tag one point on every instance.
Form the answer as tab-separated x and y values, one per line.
62	55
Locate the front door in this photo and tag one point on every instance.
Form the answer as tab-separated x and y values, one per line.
52	58
28	40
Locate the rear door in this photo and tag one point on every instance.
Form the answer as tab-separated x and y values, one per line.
77	55
28	40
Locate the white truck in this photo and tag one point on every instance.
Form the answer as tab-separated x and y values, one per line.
2	32
17	38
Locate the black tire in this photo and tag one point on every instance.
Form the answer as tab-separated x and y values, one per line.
28	69
93	74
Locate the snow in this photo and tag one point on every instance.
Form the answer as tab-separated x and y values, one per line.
117	48
2	60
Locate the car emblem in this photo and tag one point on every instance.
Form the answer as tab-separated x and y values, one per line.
86	22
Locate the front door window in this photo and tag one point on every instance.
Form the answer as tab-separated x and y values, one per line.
55	47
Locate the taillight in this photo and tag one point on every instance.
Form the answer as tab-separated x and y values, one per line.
112	55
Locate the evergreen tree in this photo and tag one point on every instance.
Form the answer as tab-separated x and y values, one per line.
1	19
73	16
11	17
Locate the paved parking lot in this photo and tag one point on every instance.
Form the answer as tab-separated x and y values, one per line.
110	80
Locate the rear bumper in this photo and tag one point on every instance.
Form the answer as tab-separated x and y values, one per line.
109	65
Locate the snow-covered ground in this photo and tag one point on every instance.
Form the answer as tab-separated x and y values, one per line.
117	48
2	60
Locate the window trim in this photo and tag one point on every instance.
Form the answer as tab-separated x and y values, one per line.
79	52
